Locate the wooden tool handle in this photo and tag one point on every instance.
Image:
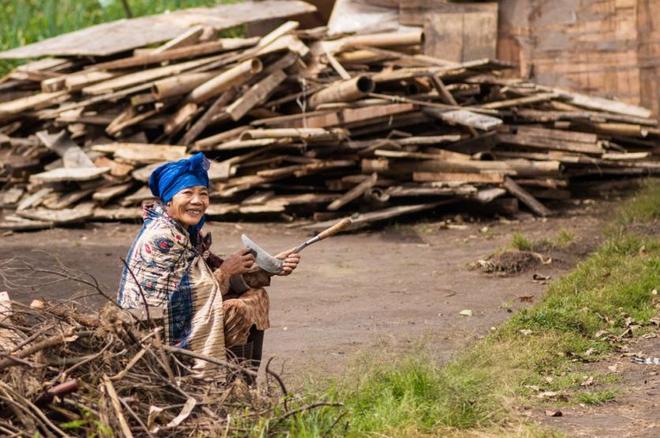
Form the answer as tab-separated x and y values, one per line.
336	228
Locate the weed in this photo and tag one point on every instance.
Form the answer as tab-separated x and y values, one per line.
643	206
521	243
595	398
562	240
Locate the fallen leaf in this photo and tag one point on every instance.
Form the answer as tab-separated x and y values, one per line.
601	333
525	332
588	381
554	413
466	312
540	277
526	298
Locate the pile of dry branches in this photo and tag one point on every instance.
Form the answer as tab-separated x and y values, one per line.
63	372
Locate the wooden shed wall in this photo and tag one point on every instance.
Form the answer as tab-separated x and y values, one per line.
609	48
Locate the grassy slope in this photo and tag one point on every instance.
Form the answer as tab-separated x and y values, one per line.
539	349
26	21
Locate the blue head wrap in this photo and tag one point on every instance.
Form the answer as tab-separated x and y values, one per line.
170	178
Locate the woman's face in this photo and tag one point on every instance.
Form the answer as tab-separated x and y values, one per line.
189	205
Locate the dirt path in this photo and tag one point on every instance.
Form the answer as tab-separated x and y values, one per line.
379	291
384	290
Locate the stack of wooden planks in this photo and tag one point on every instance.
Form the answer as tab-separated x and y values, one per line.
298	125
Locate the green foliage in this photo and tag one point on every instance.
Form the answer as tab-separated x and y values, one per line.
411	396
521	243
595	398
26	21
561	240
644	206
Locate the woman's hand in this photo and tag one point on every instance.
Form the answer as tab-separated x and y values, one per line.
238	263
290	262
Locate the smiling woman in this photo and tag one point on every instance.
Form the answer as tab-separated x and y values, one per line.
207	304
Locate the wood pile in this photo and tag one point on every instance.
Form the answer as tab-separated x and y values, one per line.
64	372
300	125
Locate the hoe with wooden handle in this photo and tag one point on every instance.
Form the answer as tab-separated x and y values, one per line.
272	264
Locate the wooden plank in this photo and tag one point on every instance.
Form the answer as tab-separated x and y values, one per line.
207	48
117	213
35	199
574	136
602	104
380	215
354	193
339	118
465	118
486	196
69	174
78	214
469	178
525	168
462	35
142	153
116	169
34	102
526	198
205	120
145	76
521	139
440	154
520	101
435	190
15	223
129	34
72	155
415	12
187	38
256	95
105	194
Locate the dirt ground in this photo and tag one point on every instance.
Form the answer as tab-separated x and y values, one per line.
634	412
380	291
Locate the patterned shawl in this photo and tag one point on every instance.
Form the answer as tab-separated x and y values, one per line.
168	272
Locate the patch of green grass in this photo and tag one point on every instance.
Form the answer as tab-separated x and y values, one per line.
540	347
521	243
643	206
561	240
26	21
595	398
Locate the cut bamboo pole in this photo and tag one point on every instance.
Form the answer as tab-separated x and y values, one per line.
180	84
345	91
389	39
236	75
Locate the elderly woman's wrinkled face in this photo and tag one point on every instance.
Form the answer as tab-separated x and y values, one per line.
189	205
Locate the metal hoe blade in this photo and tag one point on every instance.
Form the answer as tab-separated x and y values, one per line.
264	260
